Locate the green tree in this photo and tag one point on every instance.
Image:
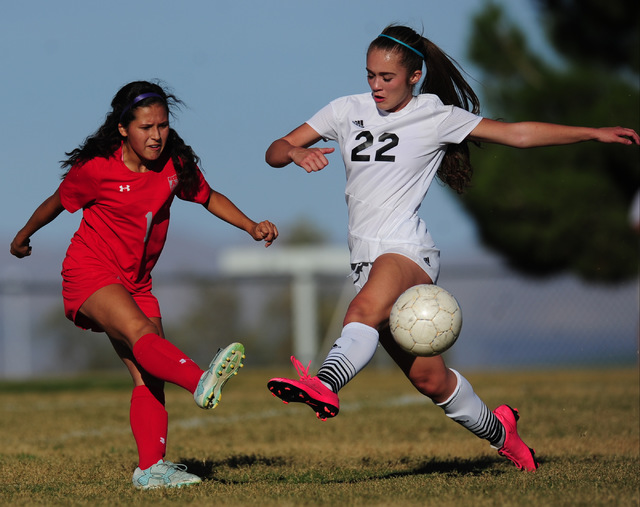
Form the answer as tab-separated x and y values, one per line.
551	210
213	319
303	231
70	349
608	33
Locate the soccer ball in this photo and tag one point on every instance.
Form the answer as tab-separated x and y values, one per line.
425	320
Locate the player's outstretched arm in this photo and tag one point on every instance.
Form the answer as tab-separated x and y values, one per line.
221	206
534	134
45	213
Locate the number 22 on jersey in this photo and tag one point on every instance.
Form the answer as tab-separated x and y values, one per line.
387	140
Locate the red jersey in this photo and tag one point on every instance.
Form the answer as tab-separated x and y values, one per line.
125	216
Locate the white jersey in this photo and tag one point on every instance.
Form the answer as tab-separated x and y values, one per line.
390	161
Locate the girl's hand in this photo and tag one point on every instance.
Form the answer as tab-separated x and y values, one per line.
618	135
20	248
310	159
265	231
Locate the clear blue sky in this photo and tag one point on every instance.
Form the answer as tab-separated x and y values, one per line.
249	71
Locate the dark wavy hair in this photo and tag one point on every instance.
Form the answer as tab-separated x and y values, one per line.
107	139
442	79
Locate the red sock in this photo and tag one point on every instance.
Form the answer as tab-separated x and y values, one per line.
149	422
167	362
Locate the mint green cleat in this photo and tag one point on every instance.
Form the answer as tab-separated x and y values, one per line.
227	363
164	474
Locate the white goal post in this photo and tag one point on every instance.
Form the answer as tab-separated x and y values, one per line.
303	264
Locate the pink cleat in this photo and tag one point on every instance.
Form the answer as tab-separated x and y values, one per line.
514	448
309	390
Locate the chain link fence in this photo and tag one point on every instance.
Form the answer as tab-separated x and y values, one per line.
510	322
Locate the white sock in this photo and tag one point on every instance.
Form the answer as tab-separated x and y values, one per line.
466	408
350	353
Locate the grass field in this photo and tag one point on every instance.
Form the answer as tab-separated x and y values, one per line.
68	442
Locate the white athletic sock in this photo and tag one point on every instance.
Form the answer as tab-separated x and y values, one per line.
466	408
350	353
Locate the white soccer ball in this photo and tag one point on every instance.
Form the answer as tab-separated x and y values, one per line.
425	320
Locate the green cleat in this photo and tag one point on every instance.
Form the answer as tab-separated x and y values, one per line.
226	364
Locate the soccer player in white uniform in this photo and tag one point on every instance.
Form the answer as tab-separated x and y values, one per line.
393	144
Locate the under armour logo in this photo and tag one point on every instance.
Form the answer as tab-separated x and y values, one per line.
125	187
426	259
162	440
183	361
358	123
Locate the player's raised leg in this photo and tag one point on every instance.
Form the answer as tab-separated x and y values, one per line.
115	310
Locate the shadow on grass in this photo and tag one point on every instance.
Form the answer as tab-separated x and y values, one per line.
207	469
368	470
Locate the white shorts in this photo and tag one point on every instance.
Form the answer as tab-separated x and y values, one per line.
427	258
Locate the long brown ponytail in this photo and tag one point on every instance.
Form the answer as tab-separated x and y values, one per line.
444	79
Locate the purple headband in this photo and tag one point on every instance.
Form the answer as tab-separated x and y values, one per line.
138	99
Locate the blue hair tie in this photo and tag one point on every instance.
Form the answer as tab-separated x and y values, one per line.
403	44
138	99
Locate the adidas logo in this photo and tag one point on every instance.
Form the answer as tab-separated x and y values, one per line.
358	123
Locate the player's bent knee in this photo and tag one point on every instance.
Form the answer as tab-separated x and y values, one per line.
132	331
367	311
433	385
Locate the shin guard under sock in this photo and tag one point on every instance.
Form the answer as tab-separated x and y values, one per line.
467	409
167	362
350	353
149	423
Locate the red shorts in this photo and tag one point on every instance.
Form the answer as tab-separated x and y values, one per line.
79	283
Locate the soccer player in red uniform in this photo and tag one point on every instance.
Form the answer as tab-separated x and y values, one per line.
124	177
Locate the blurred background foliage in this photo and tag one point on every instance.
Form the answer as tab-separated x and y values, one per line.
559	209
